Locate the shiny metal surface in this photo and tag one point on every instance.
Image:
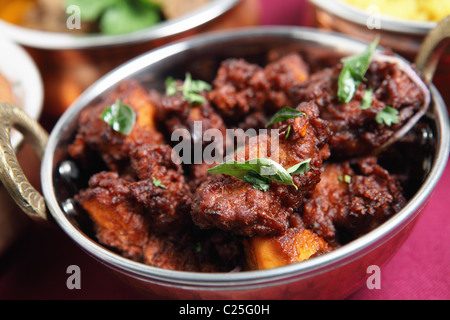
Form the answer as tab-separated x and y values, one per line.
11	174
330	276
20	69
433	48
172	27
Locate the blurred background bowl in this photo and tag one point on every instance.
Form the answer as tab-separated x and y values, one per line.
70	62
403	36
26	90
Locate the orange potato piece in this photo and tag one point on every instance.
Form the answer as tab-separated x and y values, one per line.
295	245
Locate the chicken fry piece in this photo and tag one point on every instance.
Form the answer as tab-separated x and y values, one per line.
153	198
193	122
351	200
357	129
119	220
171	253
242	88
96	138
234	205
161	187
284	74
213	251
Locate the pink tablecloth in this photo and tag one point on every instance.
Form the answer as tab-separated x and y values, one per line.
36	267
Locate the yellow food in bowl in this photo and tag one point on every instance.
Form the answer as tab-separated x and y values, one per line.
422	10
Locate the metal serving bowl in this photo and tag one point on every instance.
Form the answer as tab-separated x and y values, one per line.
331	276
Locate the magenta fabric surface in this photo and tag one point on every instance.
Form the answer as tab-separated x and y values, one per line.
36	267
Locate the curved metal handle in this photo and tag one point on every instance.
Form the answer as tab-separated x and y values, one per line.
11	174
432	49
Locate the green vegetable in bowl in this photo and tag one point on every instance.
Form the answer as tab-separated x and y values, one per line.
118	16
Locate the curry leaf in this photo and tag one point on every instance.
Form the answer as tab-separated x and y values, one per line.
300	168
353	72
367	100
288	131
257	181
346	178
346	85
120	117
171	86
267	169
190	89
284	114
158	183
388	116
261	172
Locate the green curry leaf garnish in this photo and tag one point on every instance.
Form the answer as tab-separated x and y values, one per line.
120	117
261	172
353	71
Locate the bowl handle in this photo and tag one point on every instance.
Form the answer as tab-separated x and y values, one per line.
11	174
432	49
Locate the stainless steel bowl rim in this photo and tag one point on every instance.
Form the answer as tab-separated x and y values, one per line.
246	279
60	41
353	14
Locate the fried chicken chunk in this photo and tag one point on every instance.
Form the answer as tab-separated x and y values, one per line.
242	88
239	89
283	75
125	209
126	225
176	113
161	187
96	138
170	252
119	220
207	252
194	124
236	206
355	129
352	199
